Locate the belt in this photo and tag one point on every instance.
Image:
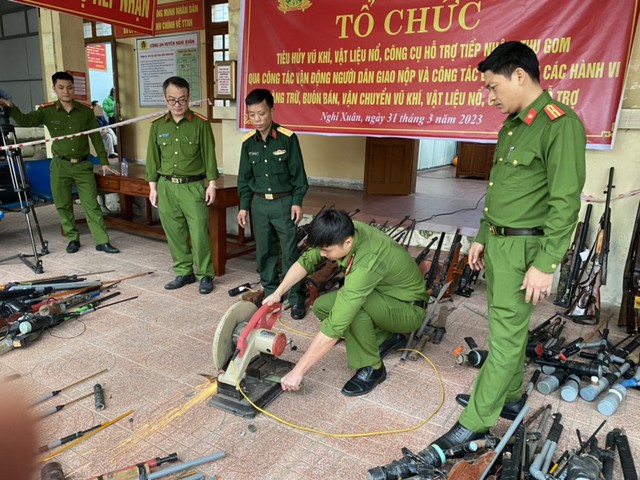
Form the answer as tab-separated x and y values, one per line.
515	232
272	196
420	303
73	160
181	180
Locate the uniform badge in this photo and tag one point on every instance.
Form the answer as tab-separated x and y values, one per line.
163	135
291	5
531	116
279	152
553	111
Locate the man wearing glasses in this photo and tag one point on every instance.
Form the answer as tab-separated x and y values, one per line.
181	171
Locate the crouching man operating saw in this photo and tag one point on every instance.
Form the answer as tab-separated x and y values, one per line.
383	297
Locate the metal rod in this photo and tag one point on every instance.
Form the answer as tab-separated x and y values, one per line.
184	466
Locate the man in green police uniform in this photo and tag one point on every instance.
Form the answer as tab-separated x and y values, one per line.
272	181
531	210
70	163
383	297
180	156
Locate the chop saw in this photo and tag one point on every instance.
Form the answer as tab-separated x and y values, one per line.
245	351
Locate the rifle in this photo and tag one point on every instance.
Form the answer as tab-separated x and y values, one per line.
606	226
574	267
586	308
441	289
567	262
446	275
425	251
433	270
57	279
631	282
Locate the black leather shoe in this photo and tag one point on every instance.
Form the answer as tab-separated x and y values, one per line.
457	436
206	285
395	341
364	381
510	410
107	248
298	311
180	281
74	246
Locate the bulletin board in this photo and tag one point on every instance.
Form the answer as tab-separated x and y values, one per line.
162	57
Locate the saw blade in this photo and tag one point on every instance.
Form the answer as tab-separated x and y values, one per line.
223	345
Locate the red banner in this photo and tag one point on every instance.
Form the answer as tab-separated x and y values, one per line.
405	68
138	15
173	17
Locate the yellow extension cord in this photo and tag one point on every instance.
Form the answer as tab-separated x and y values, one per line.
347	435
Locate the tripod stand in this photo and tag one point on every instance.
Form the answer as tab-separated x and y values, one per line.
21	187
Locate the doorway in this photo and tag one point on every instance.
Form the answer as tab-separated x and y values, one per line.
101	61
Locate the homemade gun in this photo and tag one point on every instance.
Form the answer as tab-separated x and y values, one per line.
586	307
571	271
630	303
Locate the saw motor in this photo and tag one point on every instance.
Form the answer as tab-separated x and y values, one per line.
245	351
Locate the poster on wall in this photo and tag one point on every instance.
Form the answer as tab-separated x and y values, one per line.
409	69
162	57
79	84
97	57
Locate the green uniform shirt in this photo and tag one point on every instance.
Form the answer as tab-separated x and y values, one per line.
271	166
537	176
60	122
376	262
183	149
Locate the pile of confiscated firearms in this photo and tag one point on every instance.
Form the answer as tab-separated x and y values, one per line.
521	453
610	368
29	308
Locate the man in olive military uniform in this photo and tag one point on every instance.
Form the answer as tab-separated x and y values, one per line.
181	159
383	297
70	163
531	210
272	182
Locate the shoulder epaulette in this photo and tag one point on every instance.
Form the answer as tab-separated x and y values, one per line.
159	118
201	117
248	135
48	104
285	131
85	105
553	111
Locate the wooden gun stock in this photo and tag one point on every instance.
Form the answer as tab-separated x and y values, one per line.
464	470
322	280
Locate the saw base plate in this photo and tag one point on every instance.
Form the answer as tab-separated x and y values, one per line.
255	386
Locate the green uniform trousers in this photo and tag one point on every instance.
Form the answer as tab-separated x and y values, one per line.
184	213
63	175
500	379
379	318
271	220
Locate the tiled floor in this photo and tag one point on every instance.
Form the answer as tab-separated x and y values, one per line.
156	345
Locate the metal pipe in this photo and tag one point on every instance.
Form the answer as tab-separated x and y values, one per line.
184	466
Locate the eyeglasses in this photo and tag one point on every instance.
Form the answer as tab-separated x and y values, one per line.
177	101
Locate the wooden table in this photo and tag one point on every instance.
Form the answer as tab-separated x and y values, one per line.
223	246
